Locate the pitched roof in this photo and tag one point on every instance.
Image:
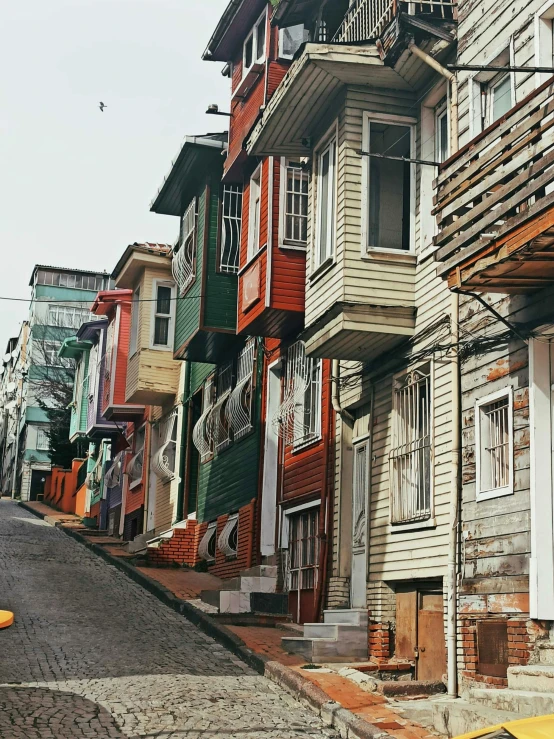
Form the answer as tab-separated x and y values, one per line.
147	247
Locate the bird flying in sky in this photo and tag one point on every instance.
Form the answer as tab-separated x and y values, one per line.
101	105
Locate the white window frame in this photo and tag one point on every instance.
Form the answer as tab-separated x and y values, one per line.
135	320
169	316
400	449
166	438
230	228
42	438
285	242
254	36
183	265
282	32
139	434
51	349
478	81
54	319
490	96
480	492
329	145
80	378
239	409
255	212
431	109
442	112
544	40
392	120
223	543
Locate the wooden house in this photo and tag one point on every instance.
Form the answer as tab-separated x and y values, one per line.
363	106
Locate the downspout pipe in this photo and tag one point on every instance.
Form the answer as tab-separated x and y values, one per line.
452	567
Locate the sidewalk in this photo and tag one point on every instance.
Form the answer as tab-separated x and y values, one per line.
355	712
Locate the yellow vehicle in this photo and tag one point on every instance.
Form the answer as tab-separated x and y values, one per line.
540	727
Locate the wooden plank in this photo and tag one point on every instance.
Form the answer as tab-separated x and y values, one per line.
406	624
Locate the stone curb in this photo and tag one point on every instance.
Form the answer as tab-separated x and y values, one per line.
331	713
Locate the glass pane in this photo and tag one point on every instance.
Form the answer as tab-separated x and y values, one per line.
260	41
502	98
161	331
389	187
248	46
163	303
324	204
291	39
443	137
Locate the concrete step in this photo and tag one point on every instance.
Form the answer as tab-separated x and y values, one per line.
247	584
536	678
453	716
352	616
546	653
260	571
319	650
321	631
237	601
211	597
522	702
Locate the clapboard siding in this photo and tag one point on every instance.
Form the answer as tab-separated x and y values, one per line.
220	308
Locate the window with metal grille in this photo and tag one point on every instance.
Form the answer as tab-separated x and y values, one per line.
294	204
221	425
136	463
112	478
494	445
239	405
410	457
184	260
228	539
303	549
163	461
162	334
202	433
231	223
43	442
298	419
207	546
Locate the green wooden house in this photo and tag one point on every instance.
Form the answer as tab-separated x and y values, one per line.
73	348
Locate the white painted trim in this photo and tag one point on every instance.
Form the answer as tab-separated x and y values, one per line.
541	561
332	134
283	244
411	123
289	512
269	264
255	60
429	523
543	40
251	251
271	463
113	353
474	87
506	392
158	282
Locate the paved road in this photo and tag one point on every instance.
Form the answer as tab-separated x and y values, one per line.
91	654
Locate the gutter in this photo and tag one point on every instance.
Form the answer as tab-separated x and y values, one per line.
452	567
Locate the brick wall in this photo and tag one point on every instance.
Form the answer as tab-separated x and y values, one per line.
381	602
338	592
379	642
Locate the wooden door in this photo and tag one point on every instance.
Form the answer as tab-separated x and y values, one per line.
431	646
303	553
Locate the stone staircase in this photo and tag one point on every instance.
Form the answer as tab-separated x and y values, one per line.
530	692
342	637
253	591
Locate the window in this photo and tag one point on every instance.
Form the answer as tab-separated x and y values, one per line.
163	462
227	542
221	425
254	46
388	184
135	313
359	493
239	405
67	316
544	40
410	457
325	229
496	98
206	548
50	351
298	419
231	222
112	478
441	133
254	213
202	433
162	333
78	390
294	204
291	39
303	550
184	260
494	445
135	465
43	442
68	279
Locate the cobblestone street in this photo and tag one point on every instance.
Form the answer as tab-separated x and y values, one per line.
91	654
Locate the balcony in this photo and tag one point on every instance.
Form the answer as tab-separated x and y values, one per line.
495	203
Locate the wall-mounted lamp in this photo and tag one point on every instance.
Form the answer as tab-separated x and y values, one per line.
214	110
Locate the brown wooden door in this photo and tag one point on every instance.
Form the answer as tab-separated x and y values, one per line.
431	646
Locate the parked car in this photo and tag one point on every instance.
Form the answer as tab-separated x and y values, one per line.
539	727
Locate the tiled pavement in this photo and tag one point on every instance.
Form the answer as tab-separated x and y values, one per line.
92	654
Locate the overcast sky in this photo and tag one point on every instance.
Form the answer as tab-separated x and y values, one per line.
75	183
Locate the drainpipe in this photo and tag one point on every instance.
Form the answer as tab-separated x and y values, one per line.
456	411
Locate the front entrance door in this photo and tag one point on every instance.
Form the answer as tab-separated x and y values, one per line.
271	463
303	554
360	480
38	482
420	629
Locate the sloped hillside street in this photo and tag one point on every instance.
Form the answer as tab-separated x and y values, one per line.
91	654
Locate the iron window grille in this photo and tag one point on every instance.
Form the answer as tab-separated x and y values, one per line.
43	442
239	405
410	457
112	478
231	225
163	462
221	425
206	548
136	463
227	542
184	260
303	551
295	207
494	444
202	433
298	419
